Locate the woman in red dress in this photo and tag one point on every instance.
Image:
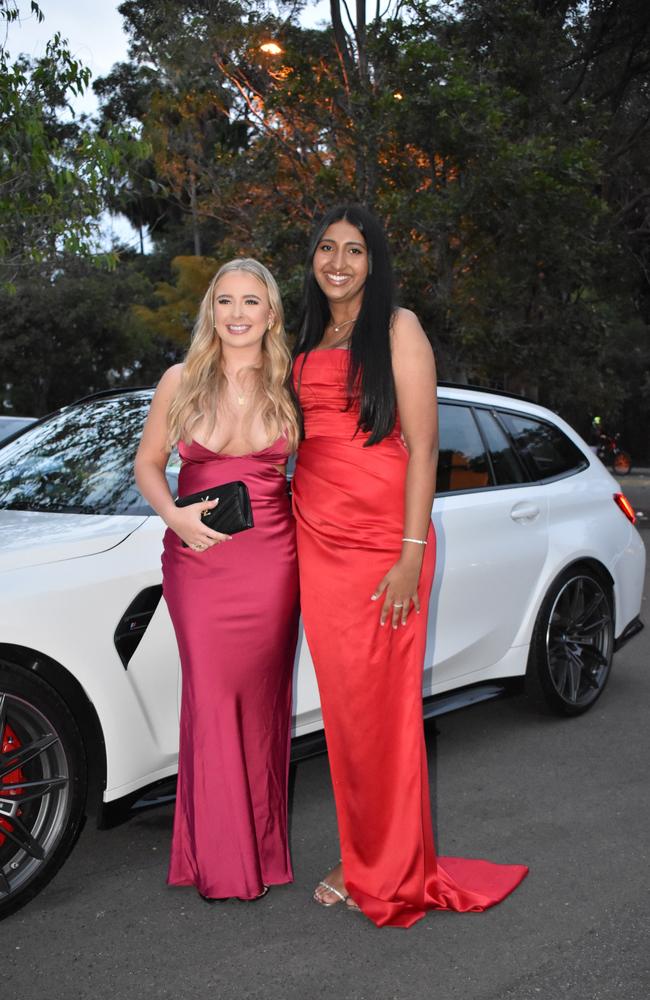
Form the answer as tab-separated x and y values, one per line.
233	601
363	489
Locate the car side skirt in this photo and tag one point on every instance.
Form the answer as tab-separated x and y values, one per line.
631	629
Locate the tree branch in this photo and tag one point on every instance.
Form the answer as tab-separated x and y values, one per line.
341	43
630	141
626	209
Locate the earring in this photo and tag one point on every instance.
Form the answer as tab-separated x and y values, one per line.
369	263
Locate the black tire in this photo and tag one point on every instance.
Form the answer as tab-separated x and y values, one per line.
572	645
43	785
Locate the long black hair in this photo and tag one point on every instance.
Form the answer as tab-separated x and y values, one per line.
370	373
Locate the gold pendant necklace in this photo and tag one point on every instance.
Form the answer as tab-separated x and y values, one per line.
241	399
336	327
346	322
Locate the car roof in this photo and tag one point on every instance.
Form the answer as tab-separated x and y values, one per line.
114	393
492	398
448	391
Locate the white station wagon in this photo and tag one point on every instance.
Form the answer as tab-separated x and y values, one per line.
540	573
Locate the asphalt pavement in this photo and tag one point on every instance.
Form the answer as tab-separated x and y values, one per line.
568	797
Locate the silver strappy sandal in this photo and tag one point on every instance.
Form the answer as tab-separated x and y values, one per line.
342	897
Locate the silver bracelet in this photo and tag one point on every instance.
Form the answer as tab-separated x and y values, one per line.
418	541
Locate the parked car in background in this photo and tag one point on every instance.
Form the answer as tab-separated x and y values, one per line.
539	575
10	425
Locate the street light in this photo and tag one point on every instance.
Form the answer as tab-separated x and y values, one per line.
271	49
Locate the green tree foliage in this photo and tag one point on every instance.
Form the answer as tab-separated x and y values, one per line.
580	71
175	92
505	143
485	138
75	334
174	315
55	172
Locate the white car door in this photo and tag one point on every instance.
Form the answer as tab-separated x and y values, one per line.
155	669
491	525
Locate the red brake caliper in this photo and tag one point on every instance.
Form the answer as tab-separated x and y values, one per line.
10	743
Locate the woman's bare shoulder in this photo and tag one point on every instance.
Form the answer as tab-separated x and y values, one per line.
407	332
172	376
168	385
404	317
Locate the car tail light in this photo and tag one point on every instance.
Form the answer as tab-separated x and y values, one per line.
622	501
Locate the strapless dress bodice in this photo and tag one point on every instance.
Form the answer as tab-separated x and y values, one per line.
320	380
202	468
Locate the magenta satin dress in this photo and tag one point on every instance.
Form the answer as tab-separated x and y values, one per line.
234	609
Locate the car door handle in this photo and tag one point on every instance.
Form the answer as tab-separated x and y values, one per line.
525	512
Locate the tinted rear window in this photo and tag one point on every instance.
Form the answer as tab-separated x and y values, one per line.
462	463
507	467
546	451
80	461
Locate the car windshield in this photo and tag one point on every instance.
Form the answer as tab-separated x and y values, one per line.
80	461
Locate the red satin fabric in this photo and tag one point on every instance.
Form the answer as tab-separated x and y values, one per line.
235	613
349	508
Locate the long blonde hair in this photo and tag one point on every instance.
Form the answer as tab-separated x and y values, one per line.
203	377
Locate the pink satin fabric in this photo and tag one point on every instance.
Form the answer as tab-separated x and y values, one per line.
349	508
235	613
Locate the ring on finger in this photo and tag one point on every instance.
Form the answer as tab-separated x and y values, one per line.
398	605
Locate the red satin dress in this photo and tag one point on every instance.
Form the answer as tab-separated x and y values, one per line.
349	509
234	609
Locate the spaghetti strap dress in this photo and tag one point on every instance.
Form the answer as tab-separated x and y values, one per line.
234	608
349	508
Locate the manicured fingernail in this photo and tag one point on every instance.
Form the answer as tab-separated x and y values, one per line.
374	597
382	624
403	623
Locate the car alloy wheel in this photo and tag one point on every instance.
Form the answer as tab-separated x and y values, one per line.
42	785
573	642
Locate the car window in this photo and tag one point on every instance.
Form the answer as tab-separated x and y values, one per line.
506	465
546	451
172	471
80	461
462	463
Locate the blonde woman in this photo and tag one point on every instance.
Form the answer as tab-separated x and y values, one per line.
233	600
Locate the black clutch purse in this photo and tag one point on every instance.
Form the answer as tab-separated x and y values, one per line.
232	514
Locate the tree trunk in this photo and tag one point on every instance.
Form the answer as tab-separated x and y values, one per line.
361	41
341	39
